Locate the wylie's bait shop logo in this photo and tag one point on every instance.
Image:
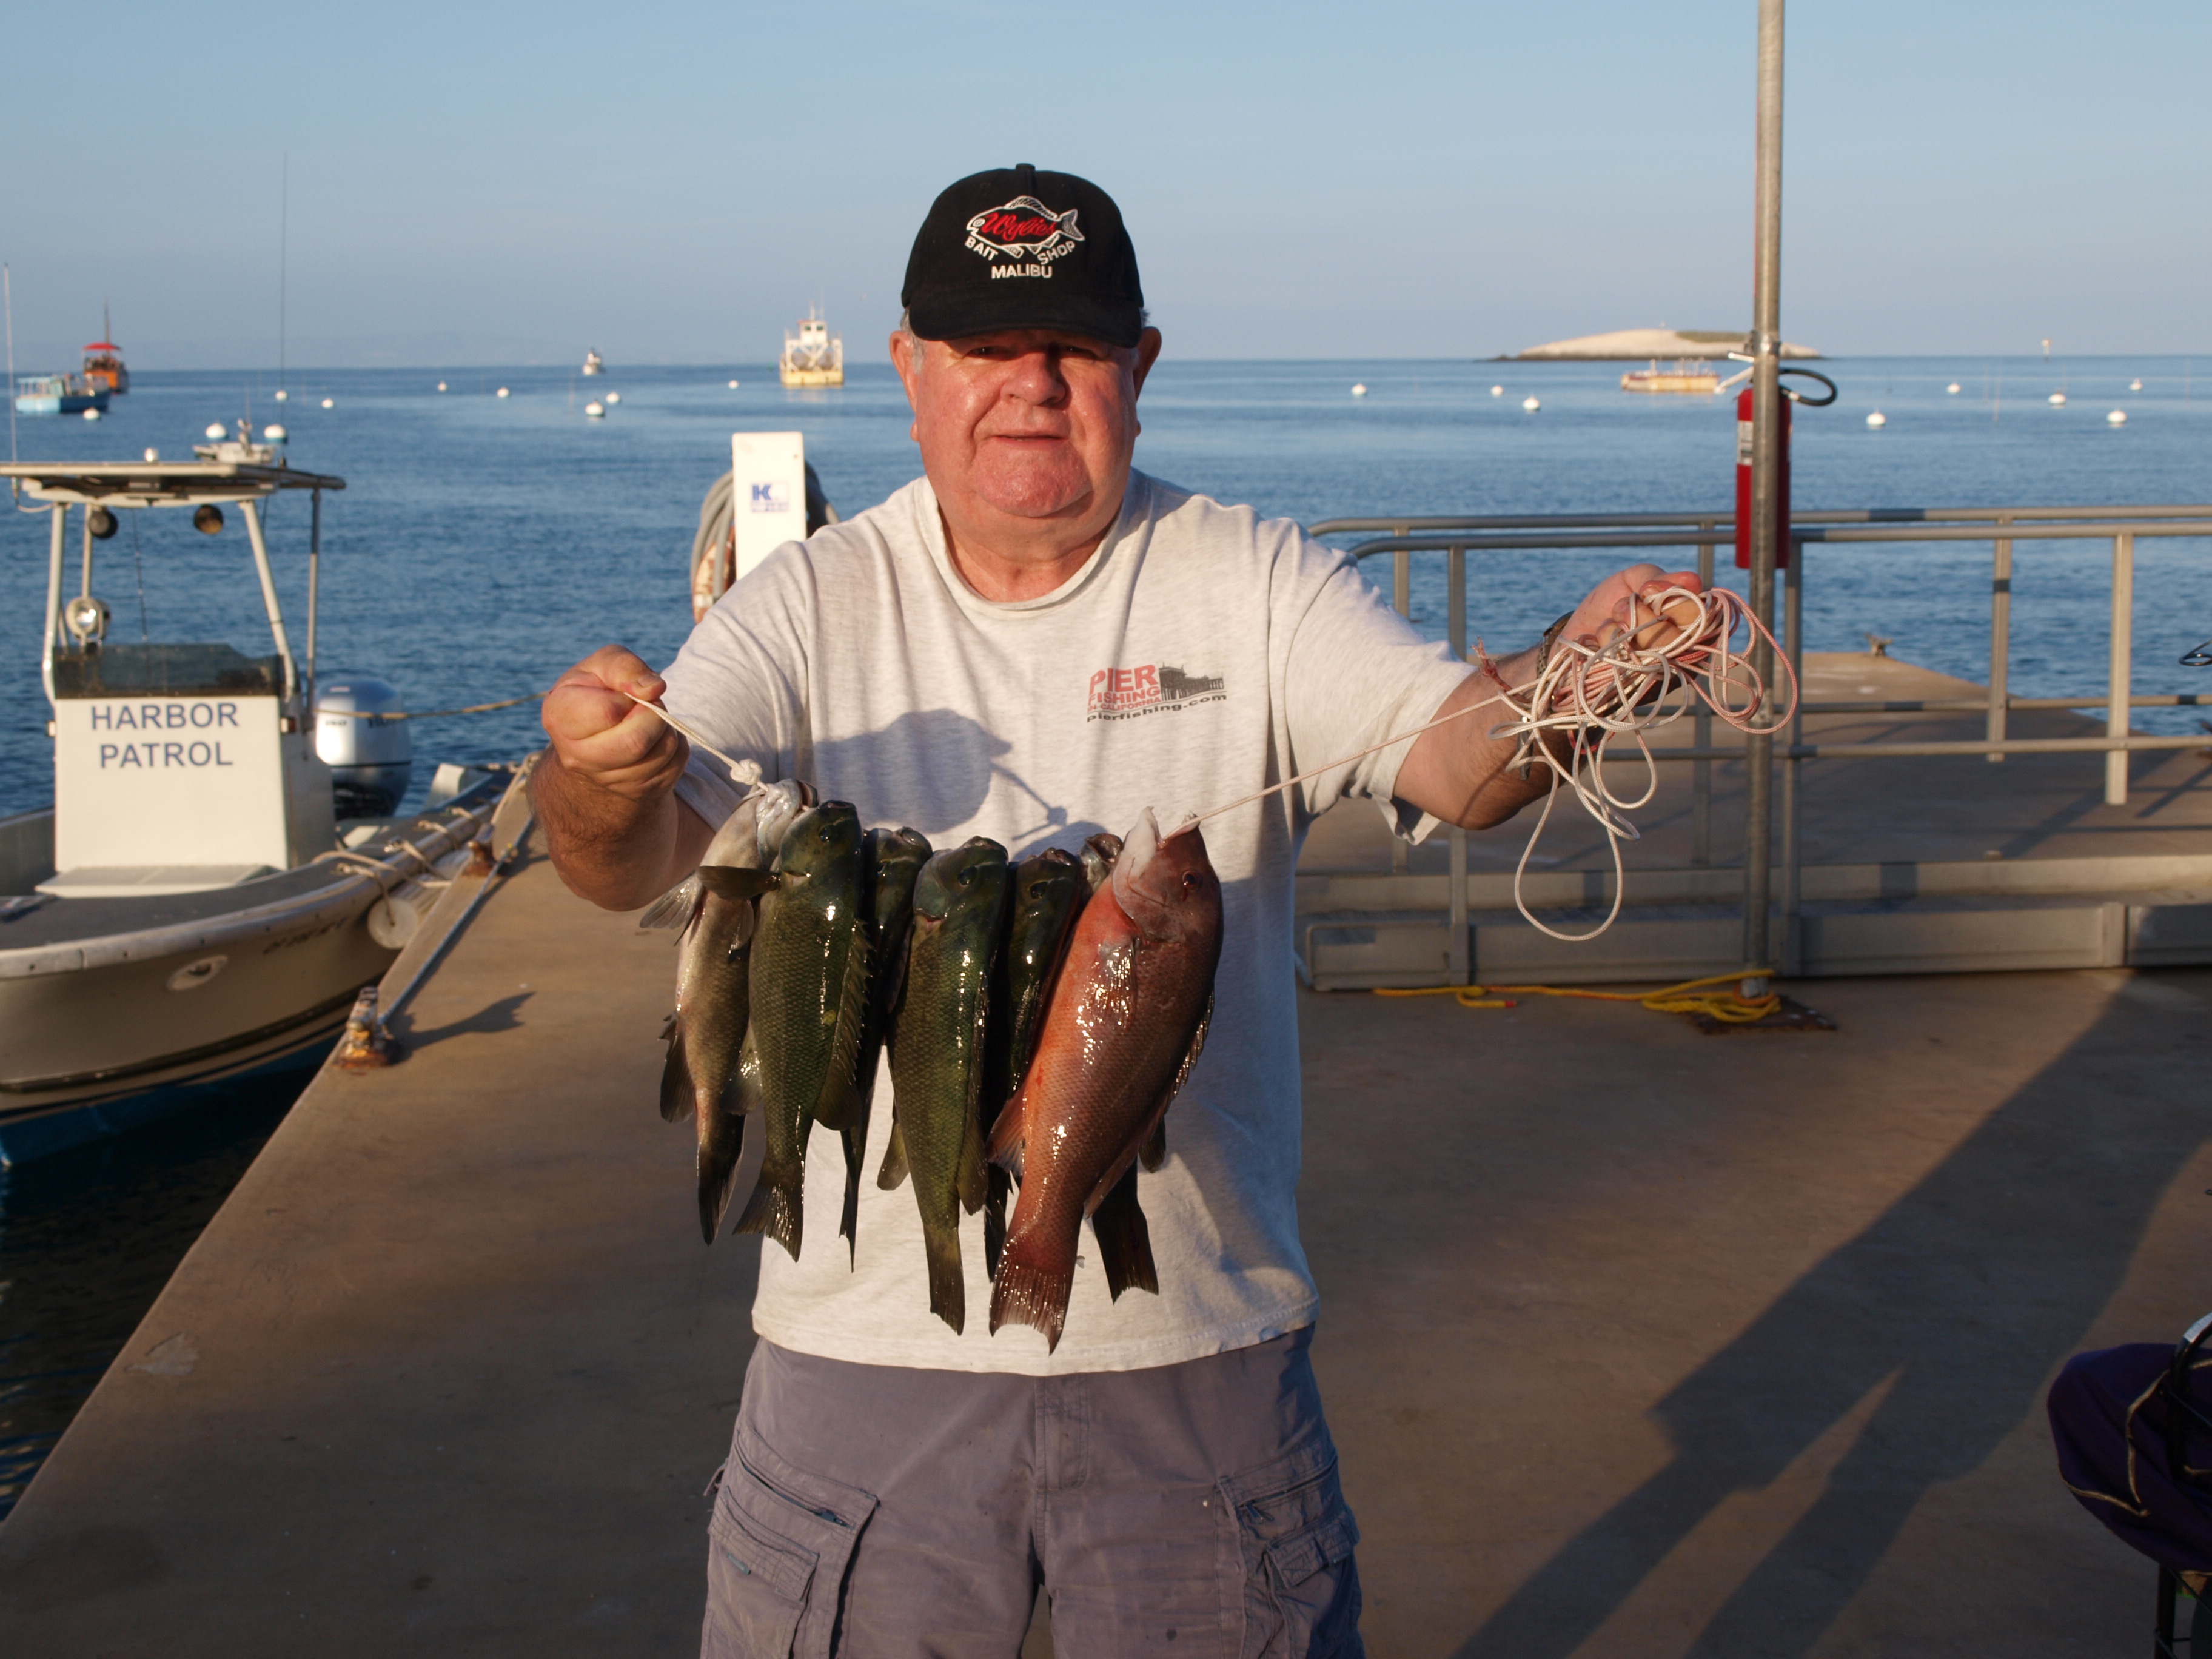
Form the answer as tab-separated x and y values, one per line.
1024	230
1120	694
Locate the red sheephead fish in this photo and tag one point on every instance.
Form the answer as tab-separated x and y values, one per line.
1023	227
1124	1027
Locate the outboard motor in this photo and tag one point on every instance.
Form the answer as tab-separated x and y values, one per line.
370	754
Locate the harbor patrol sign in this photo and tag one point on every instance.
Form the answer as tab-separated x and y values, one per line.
154	778
767	493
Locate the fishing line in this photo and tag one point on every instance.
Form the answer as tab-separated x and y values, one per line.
1590	694
747	773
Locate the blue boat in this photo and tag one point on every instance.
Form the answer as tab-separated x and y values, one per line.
59	394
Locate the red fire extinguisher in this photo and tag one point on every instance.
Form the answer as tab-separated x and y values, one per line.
1743	432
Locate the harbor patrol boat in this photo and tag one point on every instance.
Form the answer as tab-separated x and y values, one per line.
187	910
813	356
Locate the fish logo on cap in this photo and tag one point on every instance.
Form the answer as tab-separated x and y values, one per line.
1023	229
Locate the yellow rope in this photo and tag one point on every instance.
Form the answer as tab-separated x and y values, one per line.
1725	1006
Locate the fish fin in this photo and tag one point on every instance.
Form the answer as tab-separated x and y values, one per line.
722	1145
894	1171
836	1108
774	1208
970	1183
676	1090
999	1184
1032	1290
1005	1145
849	1223
674	908
1125	1243
948	1286
1154	1150
737	881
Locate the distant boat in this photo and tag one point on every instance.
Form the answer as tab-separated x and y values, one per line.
814	356
1683	377
592	365
59	394
103	360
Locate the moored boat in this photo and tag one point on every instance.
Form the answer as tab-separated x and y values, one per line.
187	910
1700	380
593	364
814	356
103	360
59	394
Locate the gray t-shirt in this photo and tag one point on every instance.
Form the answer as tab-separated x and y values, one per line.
1200	655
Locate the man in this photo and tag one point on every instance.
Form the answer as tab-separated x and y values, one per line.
1033	642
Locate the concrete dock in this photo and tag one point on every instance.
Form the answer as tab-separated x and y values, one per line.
1635	1341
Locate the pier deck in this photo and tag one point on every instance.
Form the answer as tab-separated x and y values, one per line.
1635	1341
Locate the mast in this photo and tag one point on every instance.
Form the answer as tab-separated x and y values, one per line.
283	251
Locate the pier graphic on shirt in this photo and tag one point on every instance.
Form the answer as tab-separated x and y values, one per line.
1119	694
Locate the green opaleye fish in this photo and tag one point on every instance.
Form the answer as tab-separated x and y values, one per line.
938	1051
809	989
894	858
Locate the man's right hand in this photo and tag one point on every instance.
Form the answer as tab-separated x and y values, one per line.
606	791
602	738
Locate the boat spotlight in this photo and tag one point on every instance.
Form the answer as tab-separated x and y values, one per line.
208	519
100	522
86	617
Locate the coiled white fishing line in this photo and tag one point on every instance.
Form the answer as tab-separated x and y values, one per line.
1596	694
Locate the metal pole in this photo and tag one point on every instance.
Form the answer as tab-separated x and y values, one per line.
2000	639
86	539
1701	777
1766	462
314	580
58	547
269	598
1793	848
1458	956
2116	707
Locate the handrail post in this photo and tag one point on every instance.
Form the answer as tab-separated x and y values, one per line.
1459	962
315	583
1701	772
2116	707
2000	638
1402	600
248	510
58	550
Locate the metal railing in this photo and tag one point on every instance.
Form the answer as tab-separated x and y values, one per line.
1456	536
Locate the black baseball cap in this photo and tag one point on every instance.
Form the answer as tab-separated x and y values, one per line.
1017	248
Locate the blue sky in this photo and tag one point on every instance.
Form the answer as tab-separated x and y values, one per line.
487	184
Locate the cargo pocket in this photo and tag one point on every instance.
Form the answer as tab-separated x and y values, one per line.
780	1543
1301	1582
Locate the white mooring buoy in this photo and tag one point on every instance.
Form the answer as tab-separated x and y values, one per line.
2117	418
595	411
2135	386
1497	391
282	396
442	386
329	403
1877	419
1530	404
613	398
2058	398
215	432
274	433
501	392
152	456
733	386
1360	390
1953	388
91	414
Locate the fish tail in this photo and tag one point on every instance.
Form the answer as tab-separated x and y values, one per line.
775	1207
1125	1243
721	1140
948	1284
675	1086
1032	1288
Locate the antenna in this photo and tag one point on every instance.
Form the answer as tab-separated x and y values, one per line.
283	251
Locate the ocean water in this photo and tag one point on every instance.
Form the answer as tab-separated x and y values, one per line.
481	544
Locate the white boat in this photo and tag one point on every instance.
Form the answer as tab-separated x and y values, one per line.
592	365
1683	377
813	356
187	912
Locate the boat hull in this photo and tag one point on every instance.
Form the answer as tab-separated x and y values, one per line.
811	377
69	403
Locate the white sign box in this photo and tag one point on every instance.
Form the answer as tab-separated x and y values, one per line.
767	493
160	780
